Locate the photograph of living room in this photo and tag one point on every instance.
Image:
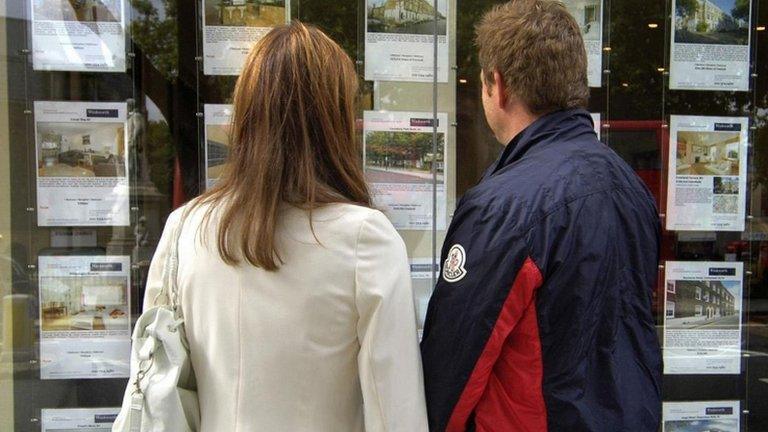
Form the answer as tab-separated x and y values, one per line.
588	15
217	150
80	150
84	303
244	13
708	153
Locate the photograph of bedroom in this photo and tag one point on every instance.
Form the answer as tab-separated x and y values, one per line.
84	303
708	153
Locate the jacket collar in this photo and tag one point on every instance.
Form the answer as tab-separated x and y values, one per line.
538	131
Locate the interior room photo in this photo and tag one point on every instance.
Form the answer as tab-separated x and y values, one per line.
708	153
87	303
81	150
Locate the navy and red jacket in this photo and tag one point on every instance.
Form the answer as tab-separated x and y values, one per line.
541	319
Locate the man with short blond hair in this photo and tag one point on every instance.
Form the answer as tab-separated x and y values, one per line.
542	319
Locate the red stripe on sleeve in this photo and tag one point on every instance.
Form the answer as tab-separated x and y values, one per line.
518	311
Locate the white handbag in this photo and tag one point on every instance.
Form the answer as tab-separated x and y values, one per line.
162	391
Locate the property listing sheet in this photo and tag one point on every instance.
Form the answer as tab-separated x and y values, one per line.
589	16
707	173
217	123
399	164
422	279
702	320
710	45
78	419
85	316
82	168
400	37
81	164
231	27
714	416
83	35
596	121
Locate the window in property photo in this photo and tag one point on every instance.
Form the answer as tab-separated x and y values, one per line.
670	309
698	311
698	293
671	287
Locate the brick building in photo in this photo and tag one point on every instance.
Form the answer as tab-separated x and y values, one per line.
704	299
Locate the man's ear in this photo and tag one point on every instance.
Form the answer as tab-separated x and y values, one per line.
499	92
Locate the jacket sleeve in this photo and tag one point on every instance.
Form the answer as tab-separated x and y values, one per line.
469	318
389	362
155	281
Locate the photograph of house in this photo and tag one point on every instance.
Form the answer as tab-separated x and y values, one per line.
406	16
726	186
402	157
719	22
80	150
588	14
244	13
703	304
708	153
78	10
716	425
217	150
84	303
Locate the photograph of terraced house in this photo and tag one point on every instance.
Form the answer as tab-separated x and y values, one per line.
708	153
244	13
703	304
406	16
716	22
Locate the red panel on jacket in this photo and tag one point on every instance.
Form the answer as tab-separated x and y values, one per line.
504	390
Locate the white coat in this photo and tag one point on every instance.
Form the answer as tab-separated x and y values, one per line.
326	343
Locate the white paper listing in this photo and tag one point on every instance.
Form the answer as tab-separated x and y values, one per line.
589	16
707	184
597	122
710	45
83	35
85	316
78	419
217	122
714	416
231	27
399	160
399	40
81	164
702	320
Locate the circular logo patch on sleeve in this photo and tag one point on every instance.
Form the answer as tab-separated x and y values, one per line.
453	267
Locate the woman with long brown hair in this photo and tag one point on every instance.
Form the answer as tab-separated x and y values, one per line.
295	292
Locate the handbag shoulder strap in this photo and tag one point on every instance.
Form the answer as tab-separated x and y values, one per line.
171	270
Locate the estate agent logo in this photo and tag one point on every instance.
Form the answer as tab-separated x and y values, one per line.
453	268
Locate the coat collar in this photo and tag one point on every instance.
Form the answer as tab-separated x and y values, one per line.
538	131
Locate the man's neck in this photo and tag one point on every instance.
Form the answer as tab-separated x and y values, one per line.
515	123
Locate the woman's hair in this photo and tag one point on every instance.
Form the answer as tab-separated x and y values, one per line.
292	141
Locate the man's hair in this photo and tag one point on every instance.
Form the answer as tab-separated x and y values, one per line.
537	48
